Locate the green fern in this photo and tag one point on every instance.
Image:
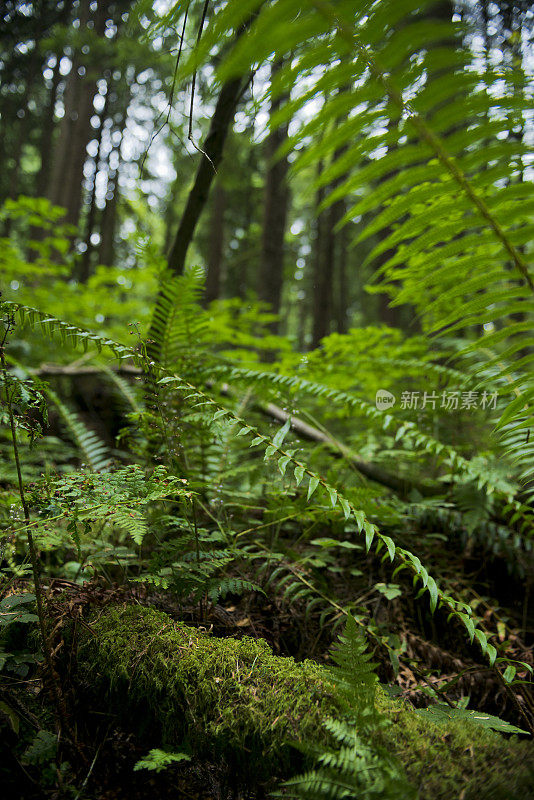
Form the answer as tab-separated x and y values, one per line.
178	329
354	766
93	450
443	203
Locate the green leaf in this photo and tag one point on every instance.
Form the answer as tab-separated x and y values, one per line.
312	485
158	760
280	435
332	494
345	506
389	590
433	591
390	544
282	464
441	713
369	535
299	474
482	639
469	624
492	653
325	541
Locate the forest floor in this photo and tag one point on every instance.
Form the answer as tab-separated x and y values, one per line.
433	656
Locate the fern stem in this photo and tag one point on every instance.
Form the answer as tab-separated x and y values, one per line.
55	687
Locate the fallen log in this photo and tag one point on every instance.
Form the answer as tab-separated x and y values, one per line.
401	486
235	702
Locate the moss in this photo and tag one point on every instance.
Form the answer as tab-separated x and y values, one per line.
236	699
233	697
460	759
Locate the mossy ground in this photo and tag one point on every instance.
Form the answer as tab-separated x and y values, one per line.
235	700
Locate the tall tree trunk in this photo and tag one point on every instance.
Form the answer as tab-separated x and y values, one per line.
47	132
343	289
216	245
271	274
212	151
108	222
22	124
108	225
85	264
322	272
66	183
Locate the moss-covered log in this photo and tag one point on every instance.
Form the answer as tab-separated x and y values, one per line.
235	700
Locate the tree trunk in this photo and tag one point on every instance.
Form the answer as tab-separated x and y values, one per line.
47	133
240	705
271	274
343	287
216	245
221	122
322	272
108	222
66	183
85	265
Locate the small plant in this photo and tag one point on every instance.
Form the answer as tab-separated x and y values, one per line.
158	760
354	765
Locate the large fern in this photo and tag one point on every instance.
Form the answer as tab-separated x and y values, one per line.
427	159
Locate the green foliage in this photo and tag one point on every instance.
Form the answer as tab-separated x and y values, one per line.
230	697
353	766
424	145
16	657
119	499
158	760
92	450
42	749
178	328
442	713
192	562
447	203
216	415
237	699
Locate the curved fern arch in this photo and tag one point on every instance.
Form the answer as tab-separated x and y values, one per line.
273	449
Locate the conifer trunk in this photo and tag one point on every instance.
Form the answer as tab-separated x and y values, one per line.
271	273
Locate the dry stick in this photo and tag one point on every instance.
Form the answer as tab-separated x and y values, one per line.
55	685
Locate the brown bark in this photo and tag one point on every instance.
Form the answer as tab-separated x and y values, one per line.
216	245
85	264
343	290
47	132
108	223
271	273
212	151
106	250
66	182
322	272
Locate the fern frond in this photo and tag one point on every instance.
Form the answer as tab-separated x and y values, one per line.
179	323
124	389
353	766
66	333
446	201
93	450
